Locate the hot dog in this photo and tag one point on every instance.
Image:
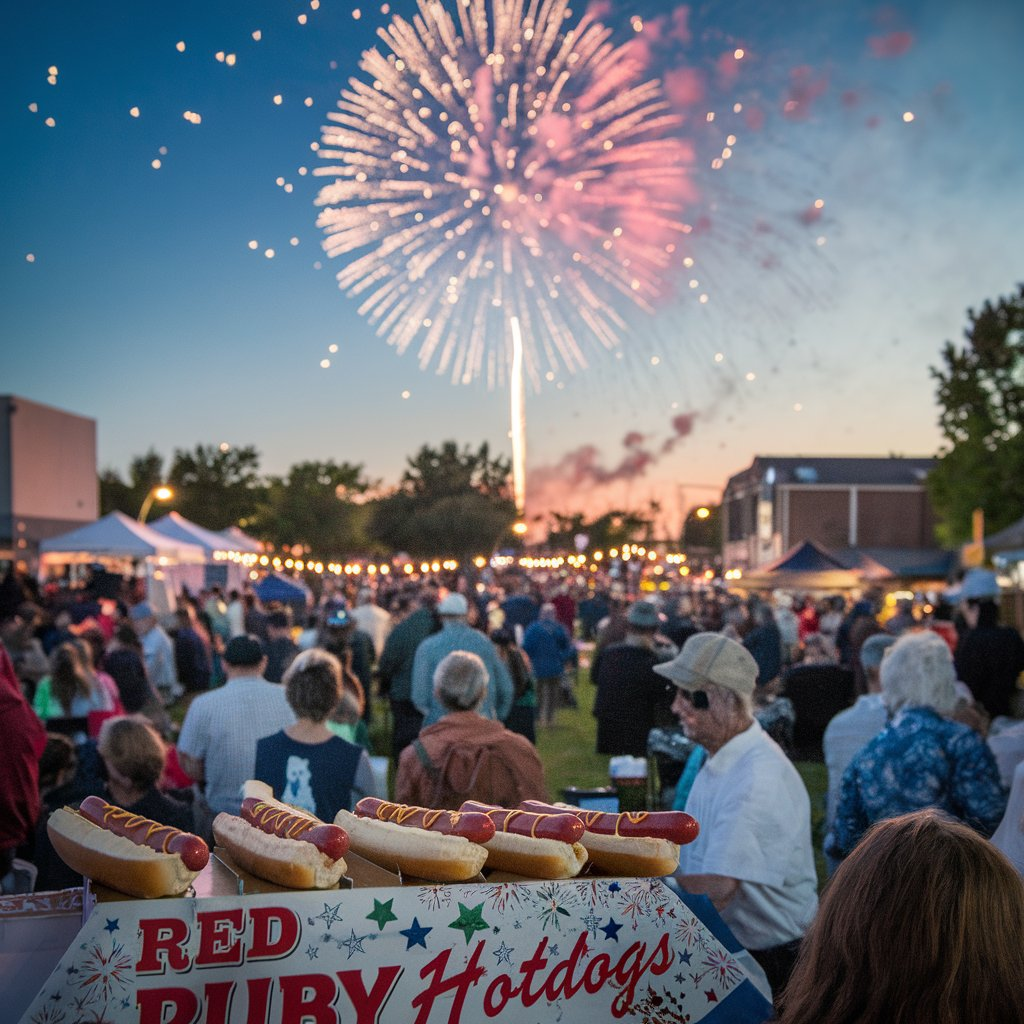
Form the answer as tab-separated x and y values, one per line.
134	855
413	851
284	846
537	845
643	844
475	827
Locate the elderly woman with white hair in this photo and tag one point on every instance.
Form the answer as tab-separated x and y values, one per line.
921	758
463	755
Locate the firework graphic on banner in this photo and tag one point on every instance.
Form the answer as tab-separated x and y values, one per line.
500	163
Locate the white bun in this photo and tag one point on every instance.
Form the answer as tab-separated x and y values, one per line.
291	863
534	858
631	857
413	851
116	861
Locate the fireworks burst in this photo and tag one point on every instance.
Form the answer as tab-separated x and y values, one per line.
498	163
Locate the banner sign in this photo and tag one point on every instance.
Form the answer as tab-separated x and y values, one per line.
588	951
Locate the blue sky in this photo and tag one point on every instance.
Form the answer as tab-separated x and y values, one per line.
130	293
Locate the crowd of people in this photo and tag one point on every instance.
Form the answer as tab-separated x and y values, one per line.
914	714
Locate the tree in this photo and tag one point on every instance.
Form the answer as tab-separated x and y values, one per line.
216	486
316	505
702	531
449	502
980	389
613	529
144	473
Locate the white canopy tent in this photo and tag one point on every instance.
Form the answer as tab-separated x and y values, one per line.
118	536
226	562
124	545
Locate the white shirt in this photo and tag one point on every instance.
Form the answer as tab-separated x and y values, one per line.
755	826
158	652
844	736
375	621
1009	837
1008	746
221	729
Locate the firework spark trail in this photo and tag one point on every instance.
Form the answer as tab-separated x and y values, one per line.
500	164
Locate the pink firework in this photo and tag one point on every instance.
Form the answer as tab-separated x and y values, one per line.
496	162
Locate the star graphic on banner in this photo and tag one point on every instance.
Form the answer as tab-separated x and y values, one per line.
554	950
685	957
72	969
590	922
354	943
611	929
329	916
416	934
614	887
470	921
112	926
125	1003
381	913
504	953
712	998
679	979
312	952
518	924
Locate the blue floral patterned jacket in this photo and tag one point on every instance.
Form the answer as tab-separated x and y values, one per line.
920	759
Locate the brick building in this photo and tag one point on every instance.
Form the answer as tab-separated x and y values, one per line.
842	503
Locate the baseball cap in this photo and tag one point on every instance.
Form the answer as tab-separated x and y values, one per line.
979	584
643	615
244	650
142	610
711	658
453	604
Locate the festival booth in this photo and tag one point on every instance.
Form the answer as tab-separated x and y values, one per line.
805	567
285	590
126	547
226	565
239	540
583	950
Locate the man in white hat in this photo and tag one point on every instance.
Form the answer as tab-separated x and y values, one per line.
753	856
457	635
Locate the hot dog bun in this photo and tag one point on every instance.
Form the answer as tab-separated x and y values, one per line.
535	858
292	863
629	856
634	857
116	861
413	851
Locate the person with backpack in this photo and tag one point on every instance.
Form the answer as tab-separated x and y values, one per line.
463	755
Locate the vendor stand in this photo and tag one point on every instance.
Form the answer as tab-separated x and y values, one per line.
585	949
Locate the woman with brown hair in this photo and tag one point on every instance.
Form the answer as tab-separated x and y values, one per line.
923	923
70	690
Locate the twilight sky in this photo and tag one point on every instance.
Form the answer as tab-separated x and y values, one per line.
871	194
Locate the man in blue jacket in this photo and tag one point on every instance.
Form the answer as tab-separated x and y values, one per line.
550	650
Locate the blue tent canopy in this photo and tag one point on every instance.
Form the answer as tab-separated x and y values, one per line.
276	587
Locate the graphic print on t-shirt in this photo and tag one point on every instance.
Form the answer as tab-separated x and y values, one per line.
297	790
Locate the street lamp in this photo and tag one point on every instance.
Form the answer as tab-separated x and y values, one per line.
159	493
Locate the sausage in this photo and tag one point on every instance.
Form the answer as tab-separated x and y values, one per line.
675	826
276	820
554	823
476	827
194	853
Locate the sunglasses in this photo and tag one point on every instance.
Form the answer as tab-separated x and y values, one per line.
697	699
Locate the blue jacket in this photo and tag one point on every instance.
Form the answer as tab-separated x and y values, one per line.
549	647
457	636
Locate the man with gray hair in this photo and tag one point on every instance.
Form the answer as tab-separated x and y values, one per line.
851	729
463	755
753	856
